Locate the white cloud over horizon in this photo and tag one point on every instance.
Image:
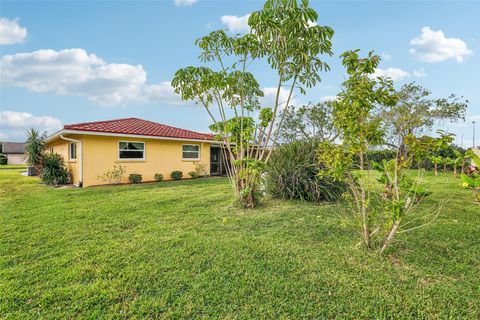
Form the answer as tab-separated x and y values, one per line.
396	74
11	32
433	46
13	124
184	3
79	73
237	24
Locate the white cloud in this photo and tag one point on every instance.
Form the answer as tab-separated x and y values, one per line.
14	124
236	23
433	46
76	72
268	100
419	73
184	3
11	32
328	98
385	56
395	74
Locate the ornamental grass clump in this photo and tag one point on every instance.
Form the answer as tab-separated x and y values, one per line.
292	173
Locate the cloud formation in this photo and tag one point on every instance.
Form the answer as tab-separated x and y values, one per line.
184	3
78	73
11	32
395	74
433	46
236	24
14	124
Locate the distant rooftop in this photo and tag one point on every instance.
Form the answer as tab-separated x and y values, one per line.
13	147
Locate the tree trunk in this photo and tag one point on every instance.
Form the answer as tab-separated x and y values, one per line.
436	169
390	236
366	231
455	170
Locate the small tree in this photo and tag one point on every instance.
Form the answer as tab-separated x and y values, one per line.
282	35
35	148
356	117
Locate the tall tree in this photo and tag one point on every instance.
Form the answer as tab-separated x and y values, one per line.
283	34
416	112
312	121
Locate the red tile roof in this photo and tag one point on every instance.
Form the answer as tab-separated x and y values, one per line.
135	126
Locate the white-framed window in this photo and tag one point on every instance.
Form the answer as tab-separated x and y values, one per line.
191	152
72	151
131	150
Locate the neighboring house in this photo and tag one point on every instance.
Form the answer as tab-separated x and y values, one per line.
144	147
15	152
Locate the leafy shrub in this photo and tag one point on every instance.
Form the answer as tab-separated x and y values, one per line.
193	174
53	171
292	173
158	177
176	175
201	169
3	159
113	176
135	178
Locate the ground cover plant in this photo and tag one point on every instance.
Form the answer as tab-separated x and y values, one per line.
181	250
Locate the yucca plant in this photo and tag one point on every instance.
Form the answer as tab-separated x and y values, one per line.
293	174
35	148
53	171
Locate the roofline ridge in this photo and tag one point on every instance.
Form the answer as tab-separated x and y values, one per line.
101	121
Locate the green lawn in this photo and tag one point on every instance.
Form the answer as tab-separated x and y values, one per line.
13	166
181	250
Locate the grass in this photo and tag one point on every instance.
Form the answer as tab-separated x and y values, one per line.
13	166
180	250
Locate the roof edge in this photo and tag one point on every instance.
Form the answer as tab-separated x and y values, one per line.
113	134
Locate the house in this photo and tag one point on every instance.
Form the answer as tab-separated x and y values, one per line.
144	147
15	152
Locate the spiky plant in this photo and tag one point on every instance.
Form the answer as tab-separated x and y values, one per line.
35	148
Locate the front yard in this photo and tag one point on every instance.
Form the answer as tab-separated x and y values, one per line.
181	250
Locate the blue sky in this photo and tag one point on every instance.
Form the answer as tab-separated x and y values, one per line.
76	61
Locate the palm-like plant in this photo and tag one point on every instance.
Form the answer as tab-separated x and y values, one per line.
436	160
35	148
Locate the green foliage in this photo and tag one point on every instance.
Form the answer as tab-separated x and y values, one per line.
158	177
284	36
292	173
312	121
113	176
416	112
53	171
135	178
472	182
3	159
201	169
193	174
35	148
176	175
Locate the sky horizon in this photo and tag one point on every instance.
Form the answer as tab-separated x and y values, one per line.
82	61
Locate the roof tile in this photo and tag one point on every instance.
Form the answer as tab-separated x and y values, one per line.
140	127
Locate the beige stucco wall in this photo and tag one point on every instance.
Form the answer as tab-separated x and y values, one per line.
15	158
100	153
61	147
